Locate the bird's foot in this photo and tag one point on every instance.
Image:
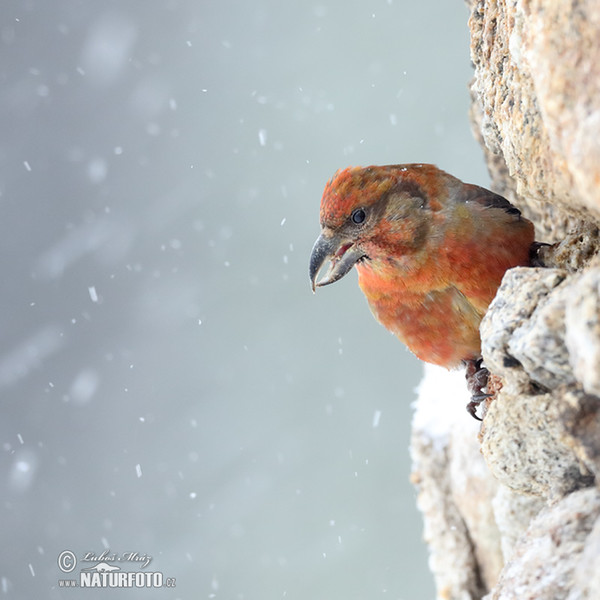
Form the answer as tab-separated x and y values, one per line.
477	379
537	252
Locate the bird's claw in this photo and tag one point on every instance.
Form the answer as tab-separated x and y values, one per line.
476	400
477	379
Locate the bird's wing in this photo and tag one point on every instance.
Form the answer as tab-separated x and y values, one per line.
474	193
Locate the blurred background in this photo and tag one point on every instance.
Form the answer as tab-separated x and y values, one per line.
169	384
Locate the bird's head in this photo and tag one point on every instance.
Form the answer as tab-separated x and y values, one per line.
370	213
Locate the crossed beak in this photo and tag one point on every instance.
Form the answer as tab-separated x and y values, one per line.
342	255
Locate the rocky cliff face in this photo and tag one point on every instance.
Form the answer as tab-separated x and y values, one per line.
513	510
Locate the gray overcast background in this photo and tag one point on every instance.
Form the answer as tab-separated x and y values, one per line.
169	384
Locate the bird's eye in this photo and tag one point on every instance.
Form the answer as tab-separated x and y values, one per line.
358	216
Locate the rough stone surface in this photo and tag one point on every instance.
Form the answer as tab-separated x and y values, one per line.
519	295
582	329
522	442
587	569
544	561
580	418
539	342
574	251
537	84
548	322
513	512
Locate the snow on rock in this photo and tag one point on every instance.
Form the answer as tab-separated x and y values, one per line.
455	488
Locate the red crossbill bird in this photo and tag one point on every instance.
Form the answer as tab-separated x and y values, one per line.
430	252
